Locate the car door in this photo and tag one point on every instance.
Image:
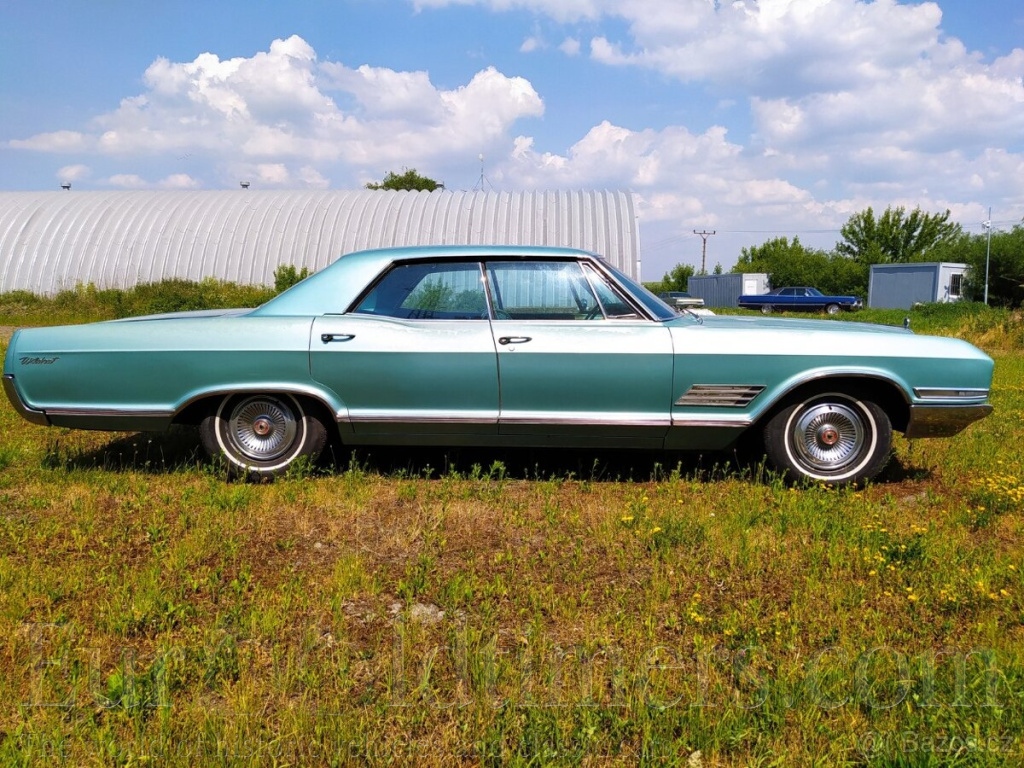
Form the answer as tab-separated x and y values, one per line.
415	356
577	363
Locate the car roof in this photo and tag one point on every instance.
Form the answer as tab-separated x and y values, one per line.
414	252
333	288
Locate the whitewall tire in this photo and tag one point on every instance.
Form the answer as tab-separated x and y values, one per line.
262	435
831	437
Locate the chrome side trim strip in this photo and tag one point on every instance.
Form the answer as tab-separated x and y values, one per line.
395	418
720	395
109	412
587	419
537	419
950	393
30	415
716	423
540	420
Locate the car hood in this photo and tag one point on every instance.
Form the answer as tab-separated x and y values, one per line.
795	324
178	315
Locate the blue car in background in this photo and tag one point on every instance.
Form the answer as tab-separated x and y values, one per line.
810	299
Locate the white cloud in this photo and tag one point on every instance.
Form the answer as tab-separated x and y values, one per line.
277	109
273	174
74	172
128	181
57	141
531	44
814	69
850	103
179	181
570	46
311	178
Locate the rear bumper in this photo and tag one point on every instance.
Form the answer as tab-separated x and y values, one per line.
943	420
28	414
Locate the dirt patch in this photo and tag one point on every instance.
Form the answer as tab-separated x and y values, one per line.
6	331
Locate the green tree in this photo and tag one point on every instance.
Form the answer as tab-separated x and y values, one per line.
677	279
792	263
896	237
286	275
408	179
1006	266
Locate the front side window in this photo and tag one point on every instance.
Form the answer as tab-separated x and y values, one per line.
541	290
659	309
428	291
612	301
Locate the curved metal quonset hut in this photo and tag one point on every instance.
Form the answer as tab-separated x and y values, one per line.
52	241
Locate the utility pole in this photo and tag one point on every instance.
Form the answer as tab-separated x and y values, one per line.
704	234
988	249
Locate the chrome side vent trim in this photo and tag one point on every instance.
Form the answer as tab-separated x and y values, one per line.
720	395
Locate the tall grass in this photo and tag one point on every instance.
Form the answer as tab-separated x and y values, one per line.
988	327
512	608
86	303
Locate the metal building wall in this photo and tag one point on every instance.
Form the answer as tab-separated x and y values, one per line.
51	241
901	286
725	290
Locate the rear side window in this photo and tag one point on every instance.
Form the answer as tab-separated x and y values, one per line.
446	291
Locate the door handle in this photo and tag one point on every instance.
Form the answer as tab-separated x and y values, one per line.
513	339
327	338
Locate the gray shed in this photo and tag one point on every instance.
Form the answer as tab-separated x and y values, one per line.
725	290
52	241
901	286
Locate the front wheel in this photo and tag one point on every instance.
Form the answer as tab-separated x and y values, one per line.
261	435
832	309
832	438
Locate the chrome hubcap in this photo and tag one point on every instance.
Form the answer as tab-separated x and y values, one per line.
829	436
262	428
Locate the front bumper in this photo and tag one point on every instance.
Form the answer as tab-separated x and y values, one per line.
943	420
29	414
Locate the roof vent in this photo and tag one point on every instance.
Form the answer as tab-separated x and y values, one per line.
66	186
243	184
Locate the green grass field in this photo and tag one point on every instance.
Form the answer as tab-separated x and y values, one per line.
514	608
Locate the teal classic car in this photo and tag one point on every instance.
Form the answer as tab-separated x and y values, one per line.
499	346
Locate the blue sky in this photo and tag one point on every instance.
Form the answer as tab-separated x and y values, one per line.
756	118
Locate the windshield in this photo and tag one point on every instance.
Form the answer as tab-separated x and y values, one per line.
652	303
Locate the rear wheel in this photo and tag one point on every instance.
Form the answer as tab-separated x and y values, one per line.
766	309
262	434
832	438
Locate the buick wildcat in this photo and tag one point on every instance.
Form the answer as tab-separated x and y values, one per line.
806	299
499	346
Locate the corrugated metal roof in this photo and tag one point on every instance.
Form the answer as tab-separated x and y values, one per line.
51	241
